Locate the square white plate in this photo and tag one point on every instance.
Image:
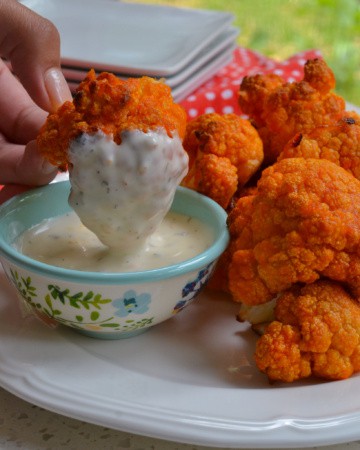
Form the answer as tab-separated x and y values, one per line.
199	77
130	38
219	45
202	75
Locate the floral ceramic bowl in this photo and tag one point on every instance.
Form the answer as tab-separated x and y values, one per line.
104	305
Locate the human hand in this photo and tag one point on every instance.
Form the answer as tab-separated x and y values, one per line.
32	45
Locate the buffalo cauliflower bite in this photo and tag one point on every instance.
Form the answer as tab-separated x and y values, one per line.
215	177
302	223
122	143
316	332
339	143
254	92
279	111
111	105
224	152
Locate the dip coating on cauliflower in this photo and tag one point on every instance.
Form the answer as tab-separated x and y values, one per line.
316	332
280	110
224	152
111	105
301	224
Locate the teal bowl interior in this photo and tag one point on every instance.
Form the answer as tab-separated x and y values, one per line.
30	208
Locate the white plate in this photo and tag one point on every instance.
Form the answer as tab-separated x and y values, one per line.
202	75
191	379
190	84
130	38
216	48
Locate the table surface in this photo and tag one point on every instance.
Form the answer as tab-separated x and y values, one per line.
27	427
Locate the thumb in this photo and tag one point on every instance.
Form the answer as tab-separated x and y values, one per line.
32	44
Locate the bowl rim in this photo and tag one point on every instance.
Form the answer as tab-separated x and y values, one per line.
211	254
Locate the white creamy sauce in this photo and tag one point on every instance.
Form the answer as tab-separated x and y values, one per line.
64	241
123	192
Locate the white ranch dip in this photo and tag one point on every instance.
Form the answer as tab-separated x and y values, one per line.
123	192
64	241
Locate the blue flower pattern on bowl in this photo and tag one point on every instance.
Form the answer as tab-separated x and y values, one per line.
192	288
132	303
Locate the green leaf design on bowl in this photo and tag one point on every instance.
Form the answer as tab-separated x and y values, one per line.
86	301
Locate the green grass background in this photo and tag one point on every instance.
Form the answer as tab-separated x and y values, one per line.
280	28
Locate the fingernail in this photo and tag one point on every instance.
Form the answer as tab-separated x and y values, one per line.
56	87
47	168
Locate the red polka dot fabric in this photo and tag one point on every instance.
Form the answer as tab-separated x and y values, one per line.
219	94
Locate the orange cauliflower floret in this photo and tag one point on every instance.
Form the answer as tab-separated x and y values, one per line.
300	224
316	332
216	177
338	143
254	92
279	111
111	105
224	152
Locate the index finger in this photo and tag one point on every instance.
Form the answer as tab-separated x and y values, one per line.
32	44
21	119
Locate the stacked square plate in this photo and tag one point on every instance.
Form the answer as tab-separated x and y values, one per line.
183	46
